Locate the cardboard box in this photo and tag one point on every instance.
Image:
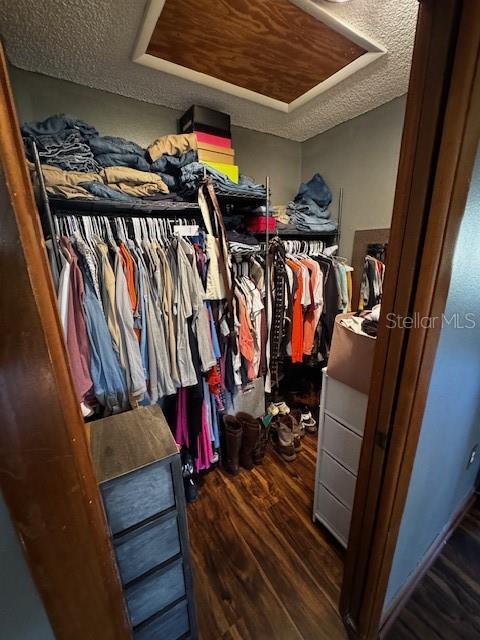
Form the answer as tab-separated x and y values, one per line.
228	151
214	156
218	141
204	119
230	170
351	356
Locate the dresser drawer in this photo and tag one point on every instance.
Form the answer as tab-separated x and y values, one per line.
146	547
346	405
170	626
341	443
154	592
337	480
136	496
333	514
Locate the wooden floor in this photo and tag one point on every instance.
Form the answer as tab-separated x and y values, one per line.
262	569
446	603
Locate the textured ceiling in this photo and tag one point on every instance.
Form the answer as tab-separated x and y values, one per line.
229	41
91	43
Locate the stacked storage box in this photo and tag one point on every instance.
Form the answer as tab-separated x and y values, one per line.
212	129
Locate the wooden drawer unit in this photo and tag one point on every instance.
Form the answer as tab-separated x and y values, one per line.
345	404
137	496
145	548
339	481
342	444
171	625
140	476
152	593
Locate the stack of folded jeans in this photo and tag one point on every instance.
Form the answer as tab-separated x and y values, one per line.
192	175
110	151
309	211
241	244
170	167
62	141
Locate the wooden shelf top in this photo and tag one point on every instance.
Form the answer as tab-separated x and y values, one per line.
128	441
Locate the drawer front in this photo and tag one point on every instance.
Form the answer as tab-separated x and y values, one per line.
333	514
143	549
337	480
139	495
346	405
154	592
170	626
341	443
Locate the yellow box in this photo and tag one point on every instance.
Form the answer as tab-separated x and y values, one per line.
230	170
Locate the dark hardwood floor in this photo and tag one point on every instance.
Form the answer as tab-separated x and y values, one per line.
446	603
262	569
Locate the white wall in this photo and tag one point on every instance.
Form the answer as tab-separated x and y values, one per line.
258	154
361	156
441	478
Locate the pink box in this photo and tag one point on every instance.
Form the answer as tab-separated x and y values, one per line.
209	138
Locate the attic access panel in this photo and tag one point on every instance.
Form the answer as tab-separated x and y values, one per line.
279	53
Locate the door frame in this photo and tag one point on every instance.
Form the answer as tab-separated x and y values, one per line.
439	144
46	473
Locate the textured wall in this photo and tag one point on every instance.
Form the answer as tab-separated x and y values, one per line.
22	616
451	424
91	42
257	154
361	156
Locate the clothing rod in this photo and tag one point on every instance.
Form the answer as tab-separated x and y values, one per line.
180	213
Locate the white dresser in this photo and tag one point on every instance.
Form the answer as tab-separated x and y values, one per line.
340	435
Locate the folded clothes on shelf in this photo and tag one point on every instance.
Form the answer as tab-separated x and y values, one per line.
131	160
101	190
173	163
66	150
192	175
58	125
61	141
172	145
114	144
132	182
309	210
67	183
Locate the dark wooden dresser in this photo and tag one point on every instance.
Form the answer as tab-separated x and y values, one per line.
140	477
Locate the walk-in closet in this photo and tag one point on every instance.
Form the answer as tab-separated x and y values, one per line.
214	184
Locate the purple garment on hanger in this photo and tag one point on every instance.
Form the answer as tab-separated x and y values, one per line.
77	338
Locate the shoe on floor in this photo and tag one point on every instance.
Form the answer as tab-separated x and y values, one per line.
309	422
233	443
282	438
297	415
294	426
250	437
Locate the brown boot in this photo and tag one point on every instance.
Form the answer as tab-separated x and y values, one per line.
233	442
251	434
290	422
261	448
297	415
282	436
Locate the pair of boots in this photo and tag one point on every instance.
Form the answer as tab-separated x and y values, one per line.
288	434
245	442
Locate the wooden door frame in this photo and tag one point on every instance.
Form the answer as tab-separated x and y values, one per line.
46	474
65	537
440	141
